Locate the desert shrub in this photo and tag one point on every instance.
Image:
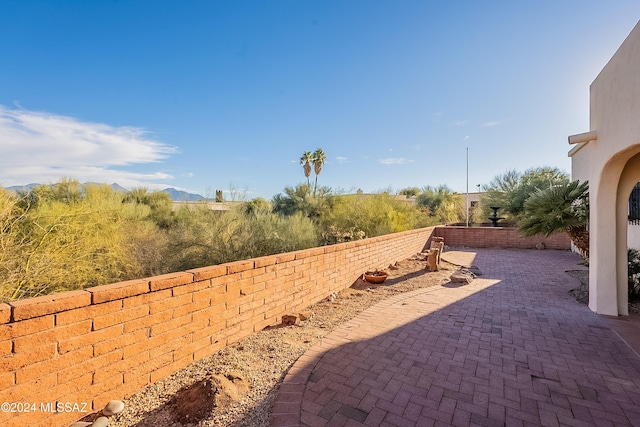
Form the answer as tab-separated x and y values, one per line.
255	205
300	199
67	239
203	237
355	217
159	203
633	258
442	205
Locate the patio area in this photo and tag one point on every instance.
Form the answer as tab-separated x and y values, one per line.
511	348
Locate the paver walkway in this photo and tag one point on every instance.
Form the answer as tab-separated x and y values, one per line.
512	348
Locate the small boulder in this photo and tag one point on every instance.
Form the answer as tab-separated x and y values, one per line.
463	277
101	422
113	407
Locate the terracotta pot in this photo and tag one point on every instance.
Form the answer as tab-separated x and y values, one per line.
375	277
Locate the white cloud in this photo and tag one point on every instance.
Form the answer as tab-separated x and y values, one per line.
43	147
341	159
394	161
493	123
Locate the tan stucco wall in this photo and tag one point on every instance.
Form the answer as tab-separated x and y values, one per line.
612	166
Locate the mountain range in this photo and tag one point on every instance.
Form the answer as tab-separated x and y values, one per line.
176	195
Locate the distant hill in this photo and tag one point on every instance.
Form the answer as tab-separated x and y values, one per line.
176	195
22	188
183	196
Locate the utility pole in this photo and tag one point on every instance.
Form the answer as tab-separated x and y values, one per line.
467	198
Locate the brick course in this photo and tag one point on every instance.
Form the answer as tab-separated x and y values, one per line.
499	238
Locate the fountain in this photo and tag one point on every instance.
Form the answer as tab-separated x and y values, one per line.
495	218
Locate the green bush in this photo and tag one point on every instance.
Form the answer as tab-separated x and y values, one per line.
510	191
633	258
204	237
442	205
62	238
354	217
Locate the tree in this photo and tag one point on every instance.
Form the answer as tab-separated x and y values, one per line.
510	190
159	202
69	239
354	217
306	160
255	205
410	191
319	157
298	199
442	204
559	208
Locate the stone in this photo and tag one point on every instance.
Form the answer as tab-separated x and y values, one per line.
101	422
81	424
305	315
113	407
235	377
289	320
463	277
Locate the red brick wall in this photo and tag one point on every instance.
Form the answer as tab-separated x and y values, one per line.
110	341
499	237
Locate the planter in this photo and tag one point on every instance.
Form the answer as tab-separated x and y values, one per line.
375	277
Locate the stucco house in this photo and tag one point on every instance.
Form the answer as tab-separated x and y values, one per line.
608	156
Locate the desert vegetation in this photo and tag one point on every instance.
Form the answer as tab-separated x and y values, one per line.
69	236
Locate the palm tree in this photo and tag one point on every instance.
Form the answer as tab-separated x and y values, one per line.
559	208
319	157
306	160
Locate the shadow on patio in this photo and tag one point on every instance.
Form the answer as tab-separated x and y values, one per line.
512	348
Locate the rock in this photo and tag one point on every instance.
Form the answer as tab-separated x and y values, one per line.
235	377
463	277
305	315
101	422
113	407
289	320
81	424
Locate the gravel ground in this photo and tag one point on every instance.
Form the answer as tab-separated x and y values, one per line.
244	377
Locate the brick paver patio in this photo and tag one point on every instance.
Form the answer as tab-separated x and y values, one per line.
513	348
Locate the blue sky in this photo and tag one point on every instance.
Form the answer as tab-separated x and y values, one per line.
206	95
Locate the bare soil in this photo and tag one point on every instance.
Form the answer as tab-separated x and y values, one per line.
237	385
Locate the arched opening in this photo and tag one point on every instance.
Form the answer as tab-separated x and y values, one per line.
608	288
628	181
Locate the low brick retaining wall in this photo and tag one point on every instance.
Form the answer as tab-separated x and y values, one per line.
499	237
108	342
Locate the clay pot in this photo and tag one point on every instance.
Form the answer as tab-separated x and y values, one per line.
375	277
